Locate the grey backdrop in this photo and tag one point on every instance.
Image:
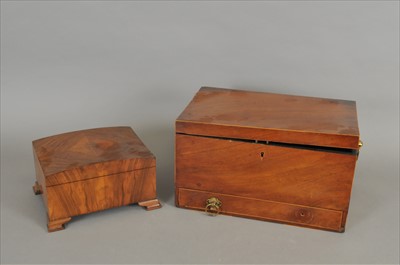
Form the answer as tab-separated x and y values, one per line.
69	65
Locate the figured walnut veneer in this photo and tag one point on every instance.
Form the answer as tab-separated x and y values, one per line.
92	170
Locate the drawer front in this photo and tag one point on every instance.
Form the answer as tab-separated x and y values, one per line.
284	174
264	210
80	197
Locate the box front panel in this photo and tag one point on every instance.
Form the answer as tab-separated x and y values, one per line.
80	197
282	174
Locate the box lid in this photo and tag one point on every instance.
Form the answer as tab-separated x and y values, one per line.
91	153
271	117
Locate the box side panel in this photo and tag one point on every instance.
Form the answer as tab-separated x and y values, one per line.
275	173
264	210
101	193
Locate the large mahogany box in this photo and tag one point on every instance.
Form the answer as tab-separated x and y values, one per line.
282	158
92	170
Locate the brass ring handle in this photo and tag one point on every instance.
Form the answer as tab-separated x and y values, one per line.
213	206
212	209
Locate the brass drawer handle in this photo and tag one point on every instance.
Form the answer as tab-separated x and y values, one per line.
213	206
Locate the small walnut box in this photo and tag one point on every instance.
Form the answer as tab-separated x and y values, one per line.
282	158
92	170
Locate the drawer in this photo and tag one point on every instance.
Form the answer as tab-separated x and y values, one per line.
264	210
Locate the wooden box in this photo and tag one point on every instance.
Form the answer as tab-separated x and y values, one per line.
92	170
281	158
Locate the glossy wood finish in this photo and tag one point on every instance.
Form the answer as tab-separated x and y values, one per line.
92	170
265	210
91	153
273	117
291	175
80	197
261	177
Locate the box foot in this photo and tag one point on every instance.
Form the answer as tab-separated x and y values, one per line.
151	204
56	225
37	188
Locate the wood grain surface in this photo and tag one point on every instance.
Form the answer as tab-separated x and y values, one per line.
92	170
265	210
268	156
305	177
272	117
302	178
91	153
80	197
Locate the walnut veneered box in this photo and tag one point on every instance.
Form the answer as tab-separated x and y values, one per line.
282	158
92	170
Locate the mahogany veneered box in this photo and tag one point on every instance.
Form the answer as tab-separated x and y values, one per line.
283	158
92	170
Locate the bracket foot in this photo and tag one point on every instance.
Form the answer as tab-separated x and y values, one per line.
37	188
151	204
56	225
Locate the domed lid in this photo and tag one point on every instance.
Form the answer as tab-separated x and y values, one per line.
91	153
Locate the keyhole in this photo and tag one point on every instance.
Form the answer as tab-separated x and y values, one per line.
262	154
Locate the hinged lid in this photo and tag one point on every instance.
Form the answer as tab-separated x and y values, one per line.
91	153
271	117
